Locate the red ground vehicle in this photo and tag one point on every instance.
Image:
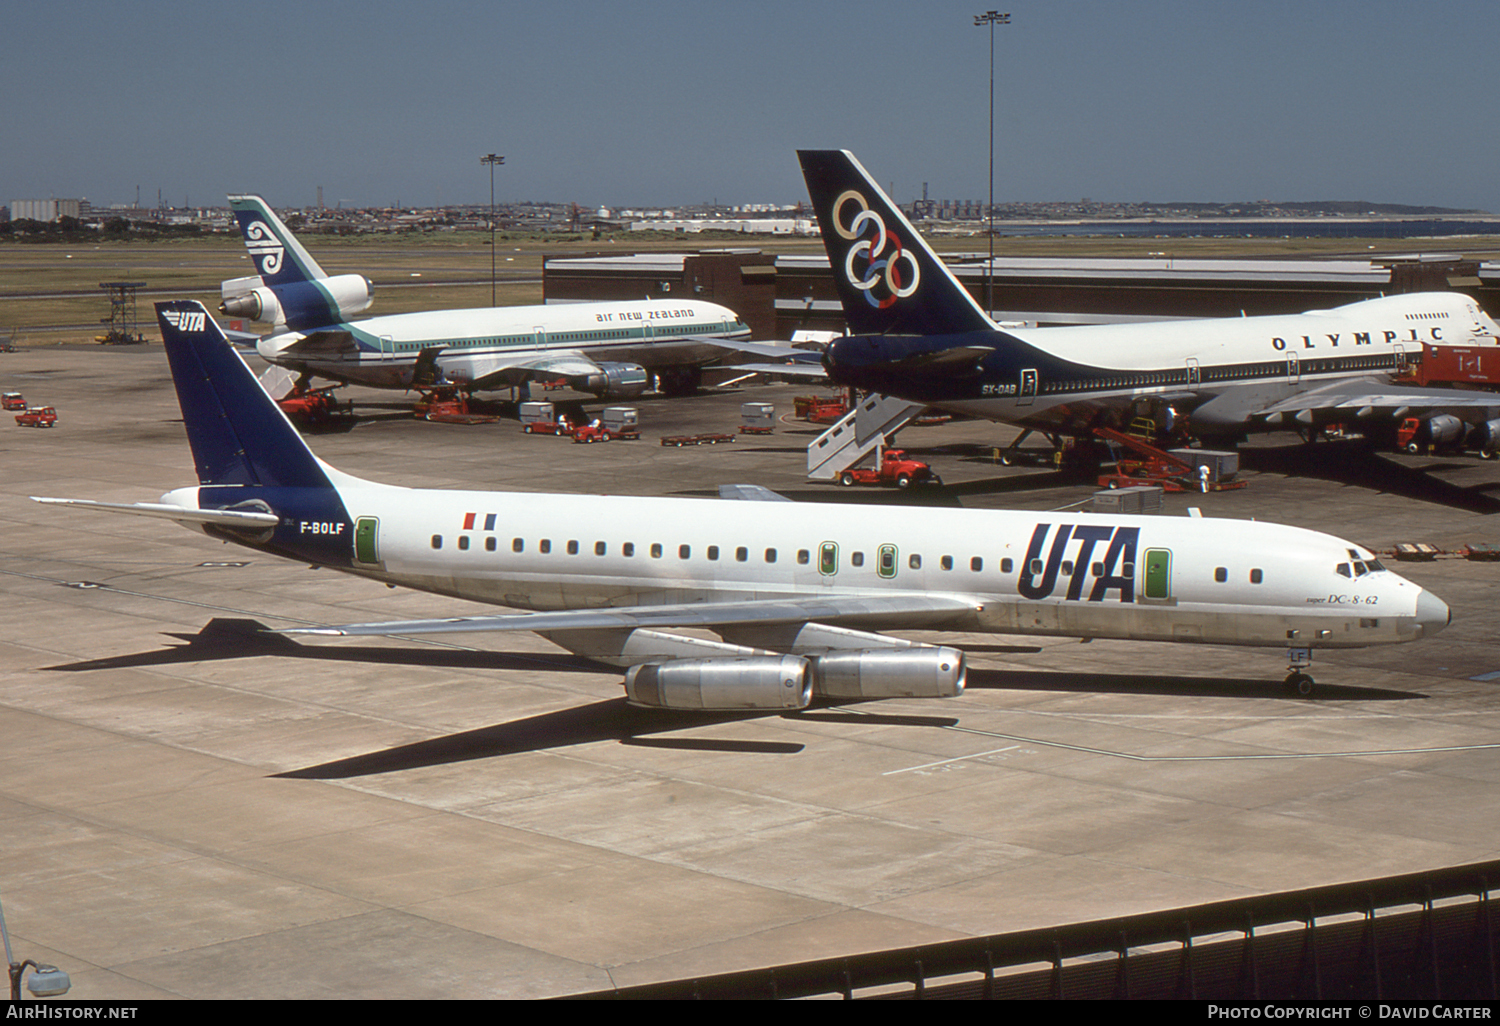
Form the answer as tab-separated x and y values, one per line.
41	416
13	401
893	466
314	406
594	432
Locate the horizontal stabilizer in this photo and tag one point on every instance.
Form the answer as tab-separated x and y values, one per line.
221	517
750	493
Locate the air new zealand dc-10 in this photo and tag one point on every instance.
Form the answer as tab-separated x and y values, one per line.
798	595
606	348
917	334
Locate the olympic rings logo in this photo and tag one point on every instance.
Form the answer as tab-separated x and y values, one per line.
880	267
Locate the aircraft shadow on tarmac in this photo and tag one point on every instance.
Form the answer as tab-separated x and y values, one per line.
1174	687
228	638
1358	464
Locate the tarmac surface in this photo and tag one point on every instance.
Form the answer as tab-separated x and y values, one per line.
191	808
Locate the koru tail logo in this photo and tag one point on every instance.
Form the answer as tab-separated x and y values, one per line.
185	320
876	264
264	247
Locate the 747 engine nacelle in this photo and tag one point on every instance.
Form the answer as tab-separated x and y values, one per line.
614	381
300	305
890	673
722	685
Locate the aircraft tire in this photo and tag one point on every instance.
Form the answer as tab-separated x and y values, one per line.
1300	684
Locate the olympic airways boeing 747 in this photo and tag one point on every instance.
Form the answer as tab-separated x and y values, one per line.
917	334
607	348
799	597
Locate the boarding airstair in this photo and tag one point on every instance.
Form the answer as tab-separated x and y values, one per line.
859	433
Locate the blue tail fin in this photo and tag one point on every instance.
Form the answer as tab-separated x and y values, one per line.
238	435
279	257
888	280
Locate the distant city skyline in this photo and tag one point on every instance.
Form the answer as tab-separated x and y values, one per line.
668	103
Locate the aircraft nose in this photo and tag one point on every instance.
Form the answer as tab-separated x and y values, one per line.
1433	614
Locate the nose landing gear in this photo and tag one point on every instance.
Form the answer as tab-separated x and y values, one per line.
1298	680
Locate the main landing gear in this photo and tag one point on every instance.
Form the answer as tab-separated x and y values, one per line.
1298	680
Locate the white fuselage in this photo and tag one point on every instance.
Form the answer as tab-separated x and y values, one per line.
1073	574
474	343
1249	363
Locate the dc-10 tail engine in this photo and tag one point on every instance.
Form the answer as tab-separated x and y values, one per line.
299	305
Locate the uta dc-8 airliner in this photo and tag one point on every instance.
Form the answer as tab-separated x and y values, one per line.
798	595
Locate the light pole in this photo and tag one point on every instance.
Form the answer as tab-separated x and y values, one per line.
991	18
491	159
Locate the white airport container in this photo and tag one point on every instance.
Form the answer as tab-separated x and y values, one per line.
757	418
621	421
1135	499
537	413
1222	466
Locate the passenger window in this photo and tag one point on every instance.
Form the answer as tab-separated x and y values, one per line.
656	550
544	546
1098	568
770	555
856	559
1008	564
572	548
684	551
976	564
489	544
437	541
463	541
1067	568
600	548
915	562
1036	567
803	557
1255	576
713	552
517	545
1221	574
628	549
946	562
741	554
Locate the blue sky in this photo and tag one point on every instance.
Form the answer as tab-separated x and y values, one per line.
625	103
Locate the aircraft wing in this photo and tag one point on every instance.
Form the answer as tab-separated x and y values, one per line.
512	368
322	344
1365	396
914	608
795	363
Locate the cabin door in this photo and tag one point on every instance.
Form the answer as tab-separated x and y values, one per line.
1028	387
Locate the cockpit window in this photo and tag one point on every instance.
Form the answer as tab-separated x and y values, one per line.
1343	569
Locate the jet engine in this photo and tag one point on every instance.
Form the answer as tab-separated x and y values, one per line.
890	673
722	685
614	381
302	304
1440	430
1486	438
